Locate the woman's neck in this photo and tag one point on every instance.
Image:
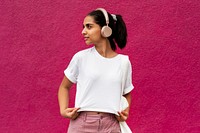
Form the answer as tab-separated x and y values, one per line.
105	50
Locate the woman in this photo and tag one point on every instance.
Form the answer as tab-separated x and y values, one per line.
98	73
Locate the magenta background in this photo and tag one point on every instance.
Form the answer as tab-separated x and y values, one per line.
38	39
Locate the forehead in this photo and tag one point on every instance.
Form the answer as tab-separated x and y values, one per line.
89	20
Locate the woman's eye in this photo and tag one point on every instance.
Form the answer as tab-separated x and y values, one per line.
88	26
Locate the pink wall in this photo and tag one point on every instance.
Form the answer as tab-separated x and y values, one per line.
38	39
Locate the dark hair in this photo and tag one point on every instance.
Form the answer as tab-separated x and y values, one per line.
119	31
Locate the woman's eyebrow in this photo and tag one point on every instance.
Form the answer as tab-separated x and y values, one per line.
88	24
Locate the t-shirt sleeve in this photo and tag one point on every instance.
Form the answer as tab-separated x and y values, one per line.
72	71
128	82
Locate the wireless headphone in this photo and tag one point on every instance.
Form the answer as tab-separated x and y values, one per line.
106	31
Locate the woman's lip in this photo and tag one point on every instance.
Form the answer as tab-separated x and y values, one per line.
85	38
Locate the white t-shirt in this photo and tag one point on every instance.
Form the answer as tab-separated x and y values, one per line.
99	80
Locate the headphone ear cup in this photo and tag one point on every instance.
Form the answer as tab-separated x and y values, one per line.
106	31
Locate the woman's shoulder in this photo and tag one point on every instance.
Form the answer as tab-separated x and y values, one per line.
83	52
124	57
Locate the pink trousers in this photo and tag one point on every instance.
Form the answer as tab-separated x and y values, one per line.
98	123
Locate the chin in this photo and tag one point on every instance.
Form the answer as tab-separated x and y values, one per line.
88	43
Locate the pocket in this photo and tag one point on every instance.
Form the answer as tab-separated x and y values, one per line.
110	125
116	130
92	119
116	126
77	123
91	124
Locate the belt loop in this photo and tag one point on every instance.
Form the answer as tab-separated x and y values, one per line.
112	116
85	116
101	116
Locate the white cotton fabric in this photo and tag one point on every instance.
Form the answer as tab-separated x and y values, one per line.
99	80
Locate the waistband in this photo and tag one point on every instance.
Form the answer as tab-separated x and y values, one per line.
96	114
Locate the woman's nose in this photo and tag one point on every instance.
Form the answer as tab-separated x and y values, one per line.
83	31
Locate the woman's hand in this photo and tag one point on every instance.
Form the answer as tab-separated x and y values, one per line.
123	115
70	113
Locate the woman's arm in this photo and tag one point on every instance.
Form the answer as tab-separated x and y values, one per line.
63	99
123	115
128	98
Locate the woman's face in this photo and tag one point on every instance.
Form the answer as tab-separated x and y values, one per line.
91	31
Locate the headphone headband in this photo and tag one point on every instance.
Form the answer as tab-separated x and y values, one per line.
106	31
105	14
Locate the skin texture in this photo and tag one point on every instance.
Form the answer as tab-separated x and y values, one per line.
92	35
91	31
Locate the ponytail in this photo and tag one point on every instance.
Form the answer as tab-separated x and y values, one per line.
119	35
121	32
